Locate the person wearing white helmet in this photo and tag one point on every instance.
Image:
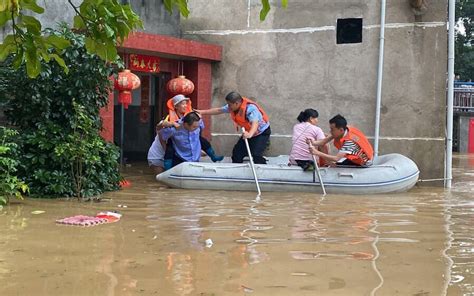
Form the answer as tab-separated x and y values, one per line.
178	107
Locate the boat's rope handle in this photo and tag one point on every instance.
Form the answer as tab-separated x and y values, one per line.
346	175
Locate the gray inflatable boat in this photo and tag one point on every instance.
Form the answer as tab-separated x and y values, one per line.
388	173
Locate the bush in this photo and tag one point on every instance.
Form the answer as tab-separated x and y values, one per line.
10	185
61	151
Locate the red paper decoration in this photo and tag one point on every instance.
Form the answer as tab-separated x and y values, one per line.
180	85
125	83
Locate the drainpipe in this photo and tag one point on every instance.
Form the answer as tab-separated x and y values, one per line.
379	77
449	116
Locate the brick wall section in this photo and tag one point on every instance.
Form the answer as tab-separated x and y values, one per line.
199	72
107	115
197	58
156	44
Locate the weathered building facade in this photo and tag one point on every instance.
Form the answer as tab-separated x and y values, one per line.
293	61
156	54
317	54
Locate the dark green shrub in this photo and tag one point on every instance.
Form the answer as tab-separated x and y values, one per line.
10	185
57	114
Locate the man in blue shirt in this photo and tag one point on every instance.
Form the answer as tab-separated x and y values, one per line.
184	136
249	115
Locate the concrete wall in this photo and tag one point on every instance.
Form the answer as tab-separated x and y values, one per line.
291	62
155	18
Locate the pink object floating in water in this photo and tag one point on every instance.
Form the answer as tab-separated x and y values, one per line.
81	220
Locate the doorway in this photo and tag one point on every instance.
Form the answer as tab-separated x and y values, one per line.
148	107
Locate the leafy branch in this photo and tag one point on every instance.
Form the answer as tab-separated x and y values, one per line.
10	185
106	24
464	46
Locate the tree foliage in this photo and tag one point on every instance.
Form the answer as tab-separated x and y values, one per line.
10	184
60	150
105	23
464	48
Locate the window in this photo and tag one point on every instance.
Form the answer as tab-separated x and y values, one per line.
349	30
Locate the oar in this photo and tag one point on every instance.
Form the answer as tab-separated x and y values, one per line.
317	170
252	165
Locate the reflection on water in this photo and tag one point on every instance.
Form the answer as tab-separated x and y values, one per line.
459	214
417	243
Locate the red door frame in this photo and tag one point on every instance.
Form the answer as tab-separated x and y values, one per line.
196	56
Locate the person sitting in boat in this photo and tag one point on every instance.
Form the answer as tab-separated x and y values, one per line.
156	153
249	115
179	106
184	137
306	129
354	148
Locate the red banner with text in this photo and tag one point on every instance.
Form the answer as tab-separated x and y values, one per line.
144	63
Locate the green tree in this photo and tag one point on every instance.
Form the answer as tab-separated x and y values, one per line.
60	151
10	184
464	47
105	23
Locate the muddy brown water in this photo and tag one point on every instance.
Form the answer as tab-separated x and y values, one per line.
415	243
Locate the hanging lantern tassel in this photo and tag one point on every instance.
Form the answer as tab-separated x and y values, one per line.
125	98
125	83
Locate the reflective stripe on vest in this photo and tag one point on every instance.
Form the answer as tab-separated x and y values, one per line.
358	137
240	117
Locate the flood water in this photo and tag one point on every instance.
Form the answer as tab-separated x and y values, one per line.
416	243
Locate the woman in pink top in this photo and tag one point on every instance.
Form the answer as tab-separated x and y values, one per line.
306	129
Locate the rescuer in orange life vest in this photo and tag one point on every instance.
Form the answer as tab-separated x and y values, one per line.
178	107
354	148
249	115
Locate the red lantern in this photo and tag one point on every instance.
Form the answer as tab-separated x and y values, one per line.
180	85
125	83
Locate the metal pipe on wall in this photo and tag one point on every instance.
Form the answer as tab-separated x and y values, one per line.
122	122
383	5
449	113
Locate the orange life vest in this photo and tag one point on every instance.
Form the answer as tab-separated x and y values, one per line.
172	114
240	117
360	139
